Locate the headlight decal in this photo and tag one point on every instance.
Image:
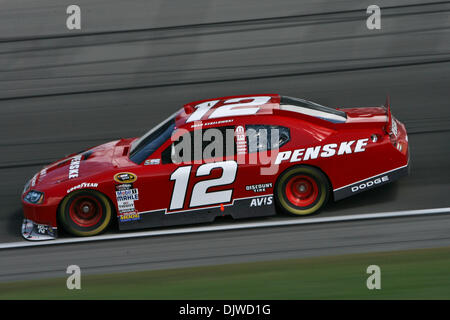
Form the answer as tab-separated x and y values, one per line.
34	197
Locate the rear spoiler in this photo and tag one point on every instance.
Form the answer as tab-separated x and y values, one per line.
391	125
387	106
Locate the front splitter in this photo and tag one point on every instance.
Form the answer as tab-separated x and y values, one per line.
37	232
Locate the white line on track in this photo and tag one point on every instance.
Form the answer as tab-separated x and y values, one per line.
231	226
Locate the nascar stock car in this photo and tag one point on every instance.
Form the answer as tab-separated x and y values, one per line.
244	156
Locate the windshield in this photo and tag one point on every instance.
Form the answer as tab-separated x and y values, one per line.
143	147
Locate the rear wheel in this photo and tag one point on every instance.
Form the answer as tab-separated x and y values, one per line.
302	190
85	213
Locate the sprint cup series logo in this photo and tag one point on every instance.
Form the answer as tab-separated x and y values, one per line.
125	177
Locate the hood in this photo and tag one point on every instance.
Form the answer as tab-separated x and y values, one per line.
79	166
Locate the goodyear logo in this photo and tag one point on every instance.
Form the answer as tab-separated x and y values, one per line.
130	217
125	177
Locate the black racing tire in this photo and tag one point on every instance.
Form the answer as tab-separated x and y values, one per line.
302	190
85	213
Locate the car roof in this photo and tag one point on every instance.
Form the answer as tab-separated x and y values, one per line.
257	105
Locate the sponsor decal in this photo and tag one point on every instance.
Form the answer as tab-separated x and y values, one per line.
152	161
42	229
125	200
126	206
129	217
370	183
261	201
241	143
125	177
259	187
74	166
82	186
125	195
124	186
325	151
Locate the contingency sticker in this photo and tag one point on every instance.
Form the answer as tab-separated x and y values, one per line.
259	187
125	200
130	217
241	142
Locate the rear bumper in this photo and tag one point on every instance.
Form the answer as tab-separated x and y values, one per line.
370	183
36	232
398	153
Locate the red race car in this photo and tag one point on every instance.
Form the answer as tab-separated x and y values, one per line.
243	156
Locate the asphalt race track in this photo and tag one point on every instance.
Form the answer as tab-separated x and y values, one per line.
130	67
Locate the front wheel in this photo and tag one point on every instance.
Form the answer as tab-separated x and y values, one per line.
302	190
85	213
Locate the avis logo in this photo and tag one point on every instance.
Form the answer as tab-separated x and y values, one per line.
262	201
